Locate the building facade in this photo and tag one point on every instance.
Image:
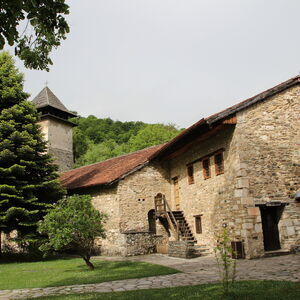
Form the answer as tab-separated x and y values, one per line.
237	169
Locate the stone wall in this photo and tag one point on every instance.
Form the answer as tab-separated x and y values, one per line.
106	200
136	193
127	204
60	142
211	198
181	249
269	155
139	243
261	162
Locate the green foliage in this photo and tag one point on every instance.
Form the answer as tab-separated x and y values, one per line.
99	139
73	224
28	178
152	134
44	26
226	264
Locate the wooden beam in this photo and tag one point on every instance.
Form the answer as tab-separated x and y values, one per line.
206	156
201	138
230	121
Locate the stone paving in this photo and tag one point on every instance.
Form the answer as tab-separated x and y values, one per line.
195	271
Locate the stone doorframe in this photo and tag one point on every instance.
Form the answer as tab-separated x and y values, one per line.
271	213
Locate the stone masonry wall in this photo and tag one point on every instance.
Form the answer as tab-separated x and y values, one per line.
106	200
60	142
137	192
269	155
261	162
127	204
213	197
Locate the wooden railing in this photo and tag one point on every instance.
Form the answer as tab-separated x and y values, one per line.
163	209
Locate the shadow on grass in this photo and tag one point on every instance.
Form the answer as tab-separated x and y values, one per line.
26	257
110	271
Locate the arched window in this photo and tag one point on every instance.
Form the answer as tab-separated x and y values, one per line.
152	221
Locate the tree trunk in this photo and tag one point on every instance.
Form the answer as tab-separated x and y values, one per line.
88	263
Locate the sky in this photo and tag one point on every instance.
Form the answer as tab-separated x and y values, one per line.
170	61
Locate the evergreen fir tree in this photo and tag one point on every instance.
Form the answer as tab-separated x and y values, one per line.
28	179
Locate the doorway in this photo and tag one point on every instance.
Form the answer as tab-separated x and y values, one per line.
152	221
270	216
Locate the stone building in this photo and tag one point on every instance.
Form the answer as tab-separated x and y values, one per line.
56	127
237	169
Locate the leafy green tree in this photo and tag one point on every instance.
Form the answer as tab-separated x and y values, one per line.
73	224
44	27
152	134
80	143
226	264
28	178
99	139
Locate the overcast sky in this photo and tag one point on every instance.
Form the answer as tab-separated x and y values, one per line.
170	61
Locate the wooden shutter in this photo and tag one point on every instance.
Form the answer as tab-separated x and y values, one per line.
190	173
219	163
198	224
237	249
206	168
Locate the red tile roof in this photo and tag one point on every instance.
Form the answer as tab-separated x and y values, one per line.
112	170
108	171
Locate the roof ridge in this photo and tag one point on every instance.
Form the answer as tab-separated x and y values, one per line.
115	157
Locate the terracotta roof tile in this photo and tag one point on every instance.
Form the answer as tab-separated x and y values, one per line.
108	171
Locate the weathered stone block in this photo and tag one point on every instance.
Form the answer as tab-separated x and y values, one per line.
253	211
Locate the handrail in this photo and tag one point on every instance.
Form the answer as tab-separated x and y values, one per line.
162	207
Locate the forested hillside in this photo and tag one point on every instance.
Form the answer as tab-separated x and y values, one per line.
99	139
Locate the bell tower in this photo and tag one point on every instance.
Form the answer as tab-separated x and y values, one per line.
56	127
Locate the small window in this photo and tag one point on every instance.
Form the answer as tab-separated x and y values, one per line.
219	163
190	173
206	168
198	224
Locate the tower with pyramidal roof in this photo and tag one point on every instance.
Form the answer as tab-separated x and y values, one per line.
56	127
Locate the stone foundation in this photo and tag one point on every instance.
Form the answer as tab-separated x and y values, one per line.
181	249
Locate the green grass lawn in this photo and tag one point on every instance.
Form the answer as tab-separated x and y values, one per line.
73	271
244	290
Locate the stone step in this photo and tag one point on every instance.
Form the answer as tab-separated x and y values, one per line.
276	253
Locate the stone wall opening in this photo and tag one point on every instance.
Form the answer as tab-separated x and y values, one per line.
270	216
152	221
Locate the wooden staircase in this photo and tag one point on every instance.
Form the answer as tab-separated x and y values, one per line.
179	225
185	233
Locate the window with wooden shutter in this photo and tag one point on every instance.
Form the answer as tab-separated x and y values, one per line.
190	173
206	168
198	224
219	163
237	248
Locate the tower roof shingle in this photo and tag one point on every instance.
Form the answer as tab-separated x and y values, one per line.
47	98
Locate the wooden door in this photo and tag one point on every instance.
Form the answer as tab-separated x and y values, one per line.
176	193
270	217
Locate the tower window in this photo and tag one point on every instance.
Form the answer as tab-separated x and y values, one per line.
219	163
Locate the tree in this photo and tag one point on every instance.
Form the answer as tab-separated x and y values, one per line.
152	134
44	28
73	224
226	264
28	179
